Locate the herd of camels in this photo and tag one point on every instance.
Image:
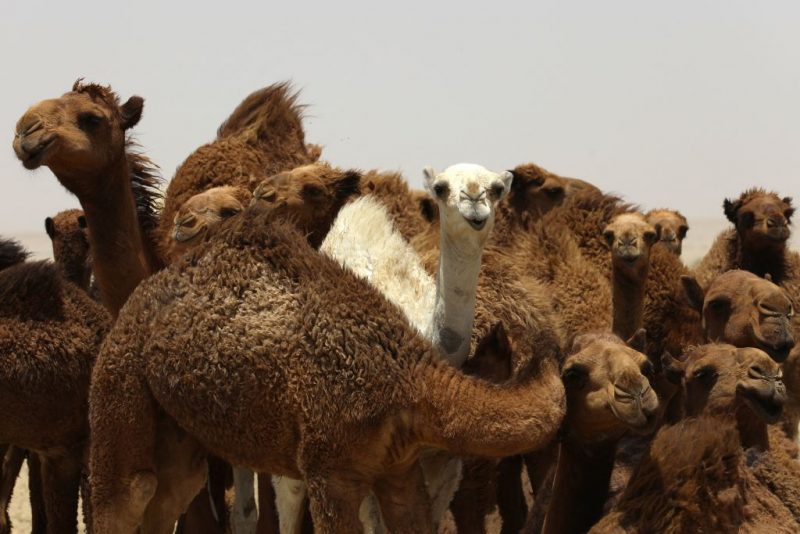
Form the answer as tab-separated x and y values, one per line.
278	344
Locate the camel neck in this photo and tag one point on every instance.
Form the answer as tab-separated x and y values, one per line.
752	430
628	300
583	473
454	308
768	259
120	260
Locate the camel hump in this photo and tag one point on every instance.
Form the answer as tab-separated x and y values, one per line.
272	111
31	291
11	253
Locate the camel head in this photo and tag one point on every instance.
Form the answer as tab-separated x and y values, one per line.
536	190
722	379
671	227
202	212
78	136
744	310
310	195
630	237
762	218
70	238
608	388
467	196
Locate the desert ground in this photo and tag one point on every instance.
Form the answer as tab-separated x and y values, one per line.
701	234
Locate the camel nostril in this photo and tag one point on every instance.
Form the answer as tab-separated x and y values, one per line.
33	127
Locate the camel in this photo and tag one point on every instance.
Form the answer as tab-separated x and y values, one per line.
117	187
263	136
629	236
672	228
50	332
757	243
67	231
699	463
201	213
539	191
270	410
608	394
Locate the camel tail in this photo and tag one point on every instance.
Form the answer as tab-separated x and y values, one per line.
272	111
11	253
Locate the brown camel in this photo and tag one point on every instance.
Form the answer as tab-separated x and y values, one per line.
608	394
263	136
67	230
672	228
698	464
538	191
629	236
271	410
758	241
116	186
201	213
50	332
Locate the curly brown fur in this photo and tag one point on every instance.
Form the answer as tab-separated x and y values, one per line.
11	253
69	236
309	356
50	332
262	137
778	470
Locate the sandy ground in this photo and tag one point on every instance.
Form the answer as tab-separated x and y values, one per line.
701	234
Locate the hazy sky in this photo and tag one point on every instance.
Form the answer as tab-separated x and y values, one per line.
672	103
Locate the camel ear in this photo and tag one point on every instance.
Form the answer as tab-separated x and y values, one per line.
349	184
693	291
673	369
131	112
507	178
638	340
492	359
50	227
608	235
428	208
429	177
731	209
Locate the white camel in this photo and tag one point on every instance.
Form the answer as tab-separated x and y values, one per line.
364	240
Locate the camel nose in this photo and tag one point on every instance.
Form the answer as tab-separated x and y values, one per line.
628	241
28	126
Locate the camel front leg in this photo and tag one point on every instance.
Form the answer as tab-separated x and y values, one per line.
12	462
405	504
335	499
290	502
61	477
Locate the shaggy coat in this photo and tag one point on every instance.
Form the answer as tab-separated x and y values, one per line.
50	332
259	390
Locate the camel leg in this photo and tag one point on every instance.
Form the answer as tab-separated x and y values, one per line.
442	474
541	472
335	499
208	513
60	480
267	512
510	497
243	514
35	495
12	462
290	501
405	504
475	496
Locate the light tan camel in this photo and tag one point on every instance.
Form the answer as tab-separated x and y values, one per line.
672	228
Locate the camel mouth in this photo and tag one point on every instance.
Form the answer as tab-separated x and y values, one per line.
181	234
769	408
476	223
32	158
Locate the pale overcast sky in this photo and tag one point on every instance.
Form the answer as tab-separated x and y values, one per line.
670	103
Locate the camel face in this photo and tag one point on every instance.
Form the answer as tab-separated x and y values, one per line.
746	311
69	233
310	195
630	237
608	389
722	379
671	227
202	212
762	219
537	190
467	195
76	135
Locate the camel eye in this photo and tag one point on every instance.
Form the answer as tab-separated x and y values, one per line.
682	231
497	190
648	370
705	374
718	305
440	189
608	235
313	191
575	377
228	212
650	237
88	120
554	192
